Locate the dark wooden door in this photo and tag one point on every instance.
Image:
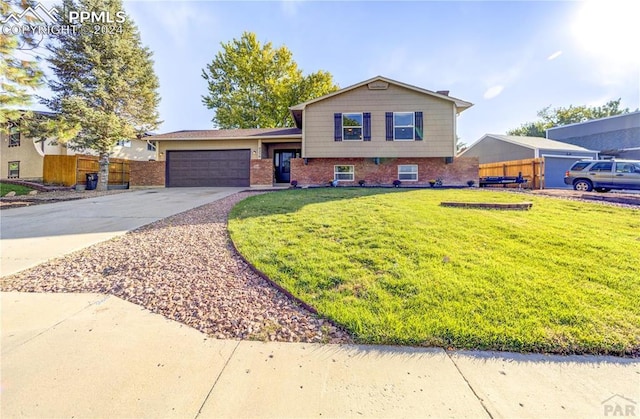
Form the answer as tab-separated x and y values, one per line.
282	164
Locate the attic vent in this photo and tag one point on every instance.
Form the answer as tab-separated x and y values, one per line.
443	92
378	85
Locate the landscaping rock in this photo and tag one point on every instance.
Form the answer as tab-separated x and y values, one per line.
10	193
185	268
33	192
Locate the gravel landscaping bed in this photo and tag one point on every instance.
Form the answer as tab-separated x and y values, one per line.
52	196
185	268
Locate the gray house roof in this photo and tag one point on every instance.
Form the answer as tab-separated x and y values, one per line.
608	135
536	143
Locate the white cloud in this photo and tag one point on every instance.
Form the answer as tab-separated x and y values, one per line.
493	91
554	55
290	7
178	19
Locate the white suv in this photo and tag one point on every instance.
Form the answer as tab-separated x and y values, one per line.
603	175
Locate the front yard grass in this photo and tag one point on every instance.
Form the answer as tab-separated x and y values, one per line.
394	267
5	188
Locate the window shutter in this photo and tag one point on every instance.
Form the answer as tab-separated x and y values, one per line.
389	125
337	127
419	124
366	126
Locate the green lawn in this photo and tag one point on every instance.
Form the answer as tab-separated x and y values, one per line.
394	267
19	190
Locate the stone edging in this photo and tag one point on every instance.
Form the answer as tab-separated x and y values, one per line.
522	206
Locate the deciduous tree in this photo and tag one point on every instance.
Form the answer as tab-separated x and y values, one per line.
252	85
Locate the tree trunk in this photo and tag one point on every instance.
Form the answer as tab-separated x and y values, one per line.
103	176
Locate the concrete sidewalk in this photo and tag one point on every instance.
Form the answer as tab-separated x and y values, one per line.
32	235
90	355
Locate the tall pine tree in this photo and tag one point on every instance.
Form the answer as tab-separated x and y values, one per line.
106	89
20	74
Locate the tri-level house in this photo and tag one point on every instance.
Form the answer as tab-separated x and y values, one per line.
376	131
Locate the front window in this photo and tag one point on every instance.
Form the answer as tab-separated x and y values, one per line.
403	126
151	146
408	172
343	173
352	126
14	169
14	136
124	143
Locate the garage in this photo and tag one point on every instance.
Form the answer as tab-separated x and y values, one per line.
555	168
197	168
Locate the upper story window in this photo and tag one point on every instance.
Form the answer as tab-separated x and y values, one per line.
14	136
151	146
403	126
352	126
124	143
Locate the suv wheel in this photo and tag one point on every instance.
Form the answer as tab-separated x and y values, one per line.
582	185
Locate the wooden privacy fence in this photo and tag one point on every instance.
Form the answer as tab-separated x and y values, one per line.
72	170
532	170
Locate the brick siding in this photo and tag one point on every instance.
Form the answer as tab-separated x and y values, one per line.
147	173
320	171
261	172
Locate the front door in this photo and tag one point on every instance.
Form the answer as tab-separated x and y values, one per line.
282	164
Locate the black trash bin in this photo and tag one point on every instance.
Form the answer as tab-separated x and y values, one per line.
92	181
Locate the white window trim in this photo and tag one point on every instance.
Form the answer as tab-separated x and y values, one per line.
9	175
352	172
124	143
344	137
413	126
408	173
13	131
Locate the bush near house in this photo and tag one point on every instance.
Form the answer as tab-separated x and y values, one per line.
394	267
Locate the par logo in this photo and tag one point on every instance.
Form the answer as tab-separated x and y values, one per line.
36	14
619	406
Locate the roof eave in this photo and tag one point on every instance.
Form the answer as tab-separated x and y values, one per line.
460	104
250	137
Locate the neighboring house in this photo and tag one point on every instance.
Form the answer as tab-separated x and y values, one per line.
615	136
22	157
378	131
558	156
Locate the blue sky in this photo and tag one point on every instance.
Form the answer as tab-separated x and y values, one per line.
508	58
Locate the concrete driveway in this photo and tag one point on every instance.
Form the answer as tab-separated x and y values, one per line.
32	235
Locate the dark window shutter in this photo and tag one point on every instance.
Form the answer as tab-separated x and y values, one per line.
337	127
366	126
389	125
419	129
